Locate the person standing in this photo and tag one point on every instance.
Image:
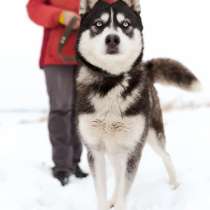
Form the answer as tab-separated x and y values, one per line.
54	15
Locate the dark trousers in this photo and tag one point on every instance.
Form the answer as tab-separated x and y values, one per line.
66	145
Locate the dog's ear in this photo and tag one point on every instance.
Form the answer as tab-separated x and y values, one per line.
92	3
83	7
86	5
134	4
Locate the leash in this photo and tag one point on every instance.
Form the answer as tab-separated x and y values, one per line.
64	38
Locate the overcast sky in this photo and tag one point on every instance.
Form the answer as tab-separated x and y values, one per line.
178	29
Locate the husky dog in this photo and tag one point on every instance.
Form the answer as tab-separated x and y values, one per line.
85	5
118	106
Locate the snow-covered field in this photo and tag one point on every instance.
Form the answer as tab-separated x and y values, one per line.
26	182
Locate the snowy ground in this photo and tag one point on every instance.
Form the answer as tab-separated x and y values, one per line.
26	182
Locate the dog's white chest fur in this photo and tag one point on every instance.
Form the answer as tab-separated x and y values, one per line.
107	128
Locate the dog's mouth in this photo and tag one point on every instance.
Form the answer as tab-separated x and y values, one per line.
112	50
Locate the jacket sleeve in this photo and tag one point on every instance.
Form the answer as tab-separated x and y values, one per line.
43	14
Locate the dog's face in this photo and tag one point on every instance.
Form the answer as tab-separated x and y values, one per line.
110	37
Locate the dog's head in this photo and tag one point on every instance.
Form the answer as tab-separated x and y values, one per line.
110	37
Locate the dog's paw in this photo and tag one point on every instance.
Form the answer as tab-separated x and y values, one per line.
174	185
103	206
111	204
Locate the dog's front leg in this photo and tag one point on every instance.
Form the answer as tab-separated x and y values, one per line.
119	196
99	174
125	167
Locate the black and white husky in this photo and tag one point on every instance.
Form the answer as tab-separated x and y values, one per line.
118	106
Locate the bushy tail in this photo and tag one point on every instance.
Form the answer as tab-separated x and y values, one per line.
168	71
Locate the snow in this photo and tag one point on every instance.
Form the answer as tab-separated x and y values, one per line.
26	182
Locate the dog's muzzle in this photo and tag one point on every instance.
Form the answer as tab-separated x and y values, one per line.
112	42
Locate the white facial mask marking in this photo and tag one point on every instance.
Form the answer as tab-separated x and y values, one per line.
120	17
112	19
105	17
94	49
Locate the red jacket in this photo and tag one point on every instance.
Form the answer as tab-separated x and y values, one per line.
46	13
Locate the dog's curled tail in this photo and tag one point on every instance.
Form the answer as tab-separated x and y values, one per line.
168	71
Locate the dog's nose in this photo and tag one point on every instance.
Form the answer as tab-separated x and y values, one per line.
112	40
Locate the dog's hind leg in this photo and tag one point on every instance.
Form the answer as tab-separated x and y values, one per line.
97	165
157	143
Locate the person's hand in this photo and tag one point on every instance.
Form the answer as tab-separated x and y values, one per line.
66	17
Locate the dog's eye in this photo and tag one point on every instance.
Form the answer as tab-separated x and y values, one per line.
125	24
99	24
